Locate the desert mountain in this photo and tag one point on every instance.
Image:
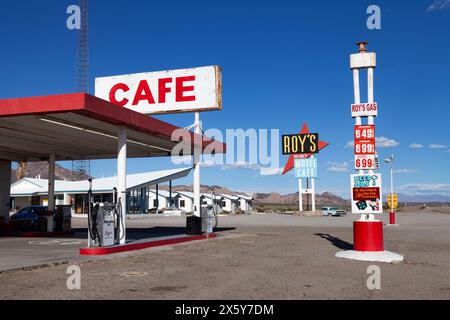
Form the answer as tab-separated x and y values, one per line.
36	169
325	198
40	169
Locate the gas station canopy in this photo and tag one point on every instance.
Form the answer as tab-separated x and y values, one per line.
80	126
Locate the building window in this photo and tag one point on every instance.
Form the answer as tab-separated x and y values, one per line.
182	203
81	203
223	203
155	203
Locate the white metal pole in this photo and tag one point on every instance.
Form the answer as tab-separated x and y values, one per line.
197	152
370	119
51	190
122	180
51	183
392	188
300	196
66	199
356	86
313	194
370	85
357	94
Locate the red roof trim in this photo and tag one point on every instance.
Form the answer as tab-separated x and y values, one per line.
94	107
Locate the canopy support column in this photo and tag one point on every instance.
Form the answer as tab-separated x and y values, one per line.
122	180
196	182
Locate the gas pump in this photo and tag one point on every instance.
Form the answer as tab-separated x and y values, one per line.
207	221
104	220
209	215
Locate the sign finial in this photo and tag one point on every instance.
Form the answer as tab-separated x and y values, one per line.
362	46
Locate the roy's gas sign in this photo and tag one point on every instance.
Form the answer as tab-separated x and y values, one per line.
173	91
364	109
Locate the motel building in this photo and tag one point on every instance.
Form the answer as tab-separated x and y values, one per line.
230	203
185	200
34	191
143	194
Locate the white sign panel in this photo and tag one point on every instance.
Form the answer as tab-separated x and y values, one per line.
364	109
305	168
365	162
173	91
366	193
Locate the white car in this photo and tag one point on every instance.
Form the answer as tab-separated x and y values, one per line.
332	211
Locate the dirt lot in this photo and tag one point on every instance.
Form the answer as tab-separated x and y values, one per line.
261	257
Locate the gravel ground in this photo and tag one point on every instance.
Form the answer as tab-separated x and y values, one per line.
263	257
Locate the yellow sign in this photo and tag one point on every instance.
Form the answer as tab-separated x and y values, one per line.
393	203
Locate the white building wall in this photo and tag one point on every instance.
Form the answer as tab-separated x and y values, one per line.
163	201
188	203
243	204
230	205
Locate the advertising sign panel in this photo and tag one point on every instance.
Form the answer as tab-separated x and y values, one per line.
364	109
307	143
305	168
366	193
173	91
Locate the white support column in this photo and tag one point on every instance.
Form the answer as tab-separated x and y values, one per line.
122	180
370	92
66	199
51	190
300	195
5	185
196	183
51	182
370	85
356	86
392	188
313	194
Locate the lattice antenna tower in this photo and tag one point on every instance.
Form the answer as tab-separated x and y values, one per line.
82	73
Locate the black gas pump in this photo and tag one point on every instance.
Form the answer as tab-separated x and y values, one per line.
207	221
104	220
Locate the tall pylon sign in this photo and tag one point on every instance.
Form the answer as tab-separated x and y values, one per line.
366	190
302	149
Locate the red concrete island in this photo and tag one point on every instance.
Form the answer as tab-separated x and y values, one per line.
143	244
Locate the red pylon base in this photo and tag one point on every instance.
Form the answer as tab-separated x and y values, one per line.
368	236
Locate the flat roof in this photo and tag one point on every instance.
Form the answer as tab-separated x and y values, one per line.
79	126
36	186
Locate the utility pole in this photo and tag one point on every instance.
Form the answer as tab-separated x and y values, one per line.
390	161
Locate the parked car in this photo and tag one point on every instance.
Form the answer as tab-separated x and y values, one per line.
340	213
329	211
334	212
29	218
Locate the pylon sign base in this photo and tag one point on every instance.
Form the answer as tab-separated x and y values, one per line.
368	235
379	256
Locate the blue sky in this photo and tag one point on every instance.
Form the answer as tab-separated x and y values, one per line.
284	63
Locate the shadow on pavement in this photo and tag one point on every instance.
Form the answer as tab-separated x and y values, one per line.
339	243
146	233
